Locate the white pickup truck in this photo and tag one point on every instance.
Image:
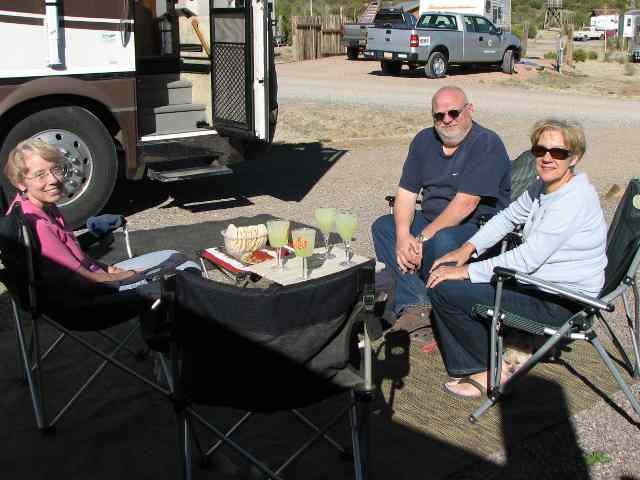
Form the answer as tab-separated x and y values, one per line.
589	33
440	39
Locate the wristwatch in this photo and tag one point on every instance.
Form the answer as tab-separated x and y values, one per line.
421	238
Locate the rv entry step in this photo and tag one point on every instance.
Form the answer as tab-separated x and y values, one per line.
167	172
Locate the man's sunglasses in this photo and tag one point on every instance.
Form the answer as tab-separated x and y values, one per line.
555	152
455	113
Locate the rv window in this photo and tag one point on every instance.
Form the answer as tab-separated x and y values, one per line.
442	22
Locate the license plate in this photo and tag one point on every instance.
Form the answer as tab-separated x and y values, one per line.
387	55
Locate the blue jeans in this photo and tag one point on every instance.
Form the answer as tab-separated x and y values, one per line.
464	338
410	287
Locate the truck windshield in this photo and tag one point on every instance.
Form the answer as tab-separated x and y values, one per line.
442	22
390	18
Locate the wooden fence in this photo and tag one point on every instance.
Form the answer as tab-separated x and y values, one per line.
315	37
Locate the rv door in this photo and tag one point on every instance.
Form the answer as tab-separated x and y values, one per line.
240	69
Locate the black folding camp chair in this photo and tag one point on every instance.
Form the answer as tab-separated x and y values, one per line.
280	348
623	254
74	310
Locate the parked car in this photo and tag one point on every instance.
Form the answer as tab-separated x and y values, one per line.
354	35
589	33
440	39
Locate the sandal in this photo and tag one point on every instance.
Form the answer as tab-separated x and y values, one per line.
468	381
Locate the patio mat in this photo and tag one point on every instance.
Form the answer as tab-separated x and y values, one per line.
122	430
411	385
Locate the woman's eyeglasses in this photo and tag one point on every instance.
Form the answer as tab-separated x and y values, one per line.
58	171
454	113
555	152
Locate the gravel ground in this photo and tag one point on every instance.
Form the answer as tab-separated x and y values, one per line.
341	141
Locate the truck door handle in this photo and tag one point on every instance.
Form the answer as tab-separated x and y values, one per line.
480	38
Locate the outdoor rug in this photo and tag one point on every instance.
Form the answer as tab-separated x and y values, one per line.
121	429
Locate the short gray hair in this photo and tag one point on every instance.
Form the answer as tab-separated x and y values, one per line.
16	166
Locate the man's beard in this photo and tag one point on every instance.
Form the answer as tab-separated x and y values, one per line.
452	137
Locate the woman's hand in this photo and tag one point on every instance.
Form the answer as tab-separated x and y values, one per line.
456	257
114	269
447	273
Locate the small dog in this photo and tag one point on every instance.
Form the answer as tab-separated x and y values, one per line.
518	347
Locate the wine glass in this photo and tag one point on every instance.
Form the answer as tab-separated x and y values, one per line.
304	240
326	218
278	232
346	223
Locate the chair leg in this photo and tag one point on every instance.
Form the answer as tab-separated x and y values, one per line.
184	445
528	365
634	326
33	374
360	418
595	341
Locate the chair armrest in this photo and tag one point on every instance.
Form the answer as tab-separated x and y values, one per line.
585	300
391	200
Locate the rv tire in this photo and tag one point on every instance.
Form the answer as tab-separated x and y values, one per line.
90	155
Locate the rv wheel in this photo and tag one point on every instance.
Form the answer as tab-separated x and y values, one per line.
88	150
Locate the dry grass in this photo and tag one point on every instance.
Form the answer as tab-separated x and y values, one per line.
338	123
591	77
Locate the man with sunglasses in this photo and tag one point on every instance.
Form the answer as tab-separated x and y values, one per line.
463	172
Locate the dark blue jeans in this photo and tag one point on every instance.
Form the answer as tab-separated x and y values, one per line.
464	338
410	287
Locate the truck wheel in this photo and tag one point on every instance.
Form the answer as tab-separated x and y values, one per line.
436	66
352	53
508	62
89	152
390	68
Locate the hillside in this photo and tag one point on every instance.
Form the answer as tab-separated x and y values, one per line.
533	10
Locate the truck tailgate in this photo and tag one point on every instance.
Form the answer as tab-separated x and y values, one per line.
389	39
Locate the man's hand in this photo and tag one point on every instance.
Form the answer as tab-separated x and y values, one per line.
447	273
456	257
114	269
408	253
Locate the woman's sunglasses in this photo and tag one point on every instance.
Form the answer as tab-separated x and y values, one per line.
455	113
555	152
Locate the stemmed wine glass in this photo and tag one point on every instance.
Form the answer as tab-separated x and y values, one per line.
346	223
326	218
278	232
304	240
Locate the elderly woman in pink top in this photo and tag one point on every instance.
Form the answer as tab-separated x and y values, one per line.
37	170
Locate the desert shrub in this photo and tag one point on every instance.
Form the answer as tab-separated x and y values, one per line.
591	55
533	31
622	59
579	55
551	55
629	69
614	43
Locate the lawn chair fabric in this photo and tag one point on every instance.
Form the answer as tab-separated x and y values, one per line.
267	349
623	238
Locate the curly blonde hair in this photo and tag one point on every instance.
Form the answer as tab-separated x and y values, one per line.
16	167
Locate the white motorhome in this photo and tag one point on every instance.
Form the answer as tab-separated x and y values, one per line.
605	22
135	88
498	11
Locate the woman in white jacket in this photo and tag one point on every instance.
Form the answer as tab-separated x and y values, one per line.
564	242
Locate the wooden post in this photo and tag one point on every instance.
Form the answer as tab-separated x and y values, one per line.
525	39
569	50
